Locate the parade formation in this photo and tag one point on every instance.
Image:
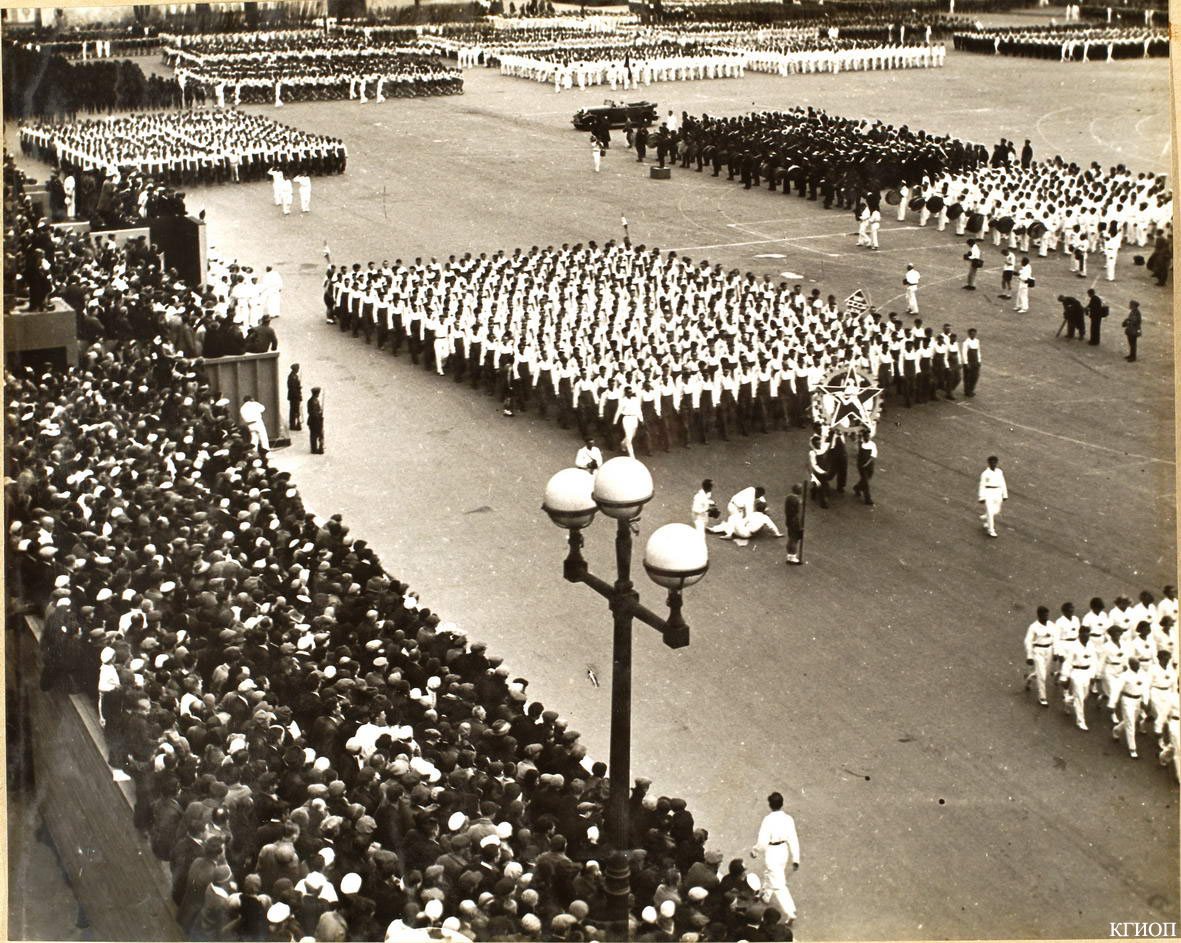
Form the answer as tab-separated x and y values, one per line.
879	485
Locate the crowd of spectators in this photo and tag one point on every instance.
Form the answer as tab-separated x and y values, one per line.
44	83
123	291
187	147
314	752
1070	44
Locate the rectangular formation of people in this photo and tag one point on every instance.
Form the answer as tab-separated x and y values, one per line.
1074	44
187	147
308	65
596	335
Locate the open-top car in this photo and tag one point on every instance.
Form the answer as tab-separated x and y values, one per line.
617	115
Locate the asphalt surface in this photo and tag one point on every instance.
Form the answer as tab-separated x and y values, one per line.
879	687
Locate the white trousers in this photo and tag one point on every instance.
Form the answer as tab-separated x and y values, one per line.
258	437
775	880
1128	711
1042	658
992	508
1076	694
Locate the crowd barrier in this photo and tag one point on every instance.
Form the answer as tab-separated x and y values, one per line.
42	337
256	375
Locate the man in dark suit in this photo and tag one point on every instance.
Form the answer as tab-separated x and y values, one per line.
294	398
1026	155
641	141
1131	327
1096	311
316	422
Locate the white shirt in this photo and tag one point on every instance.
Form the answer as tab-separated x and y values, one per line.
251	412
702	502
588	455
743	502
776	829
992	480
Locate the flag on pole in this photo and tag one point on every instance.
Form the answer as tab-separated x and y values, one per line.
857	303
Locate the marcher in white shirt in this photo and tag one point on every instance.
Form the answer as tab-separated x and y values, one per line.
1024	282
304	182
703	502
1078	669
1039	652
1125	701
270	292
286	193
780	846
276	185
911	281
1162	681
251	412
992	492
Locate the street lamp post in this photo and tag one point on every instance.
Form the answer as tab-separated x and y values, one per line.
675	557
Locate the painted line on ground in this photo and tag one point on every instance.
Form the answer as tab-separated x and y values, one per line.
1063	438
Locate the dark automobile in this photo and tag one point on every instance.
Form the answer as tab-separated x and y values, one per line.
617	115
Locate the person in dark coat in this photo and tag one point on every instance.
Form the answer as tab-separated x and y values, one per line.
1131	327
316	422
793	510
1096	311
294	398
1073	317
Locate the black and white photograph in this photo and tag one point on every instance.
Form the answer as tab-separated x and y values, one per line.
531	470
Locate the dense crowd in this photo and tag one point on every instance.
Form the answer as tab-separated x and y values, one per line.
1122	660
1067	45
1035	205
43	83
590	335
92	42
626	64
775	12
838	55
124	292
177	45
1053	205
196	146
825	155
314	752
